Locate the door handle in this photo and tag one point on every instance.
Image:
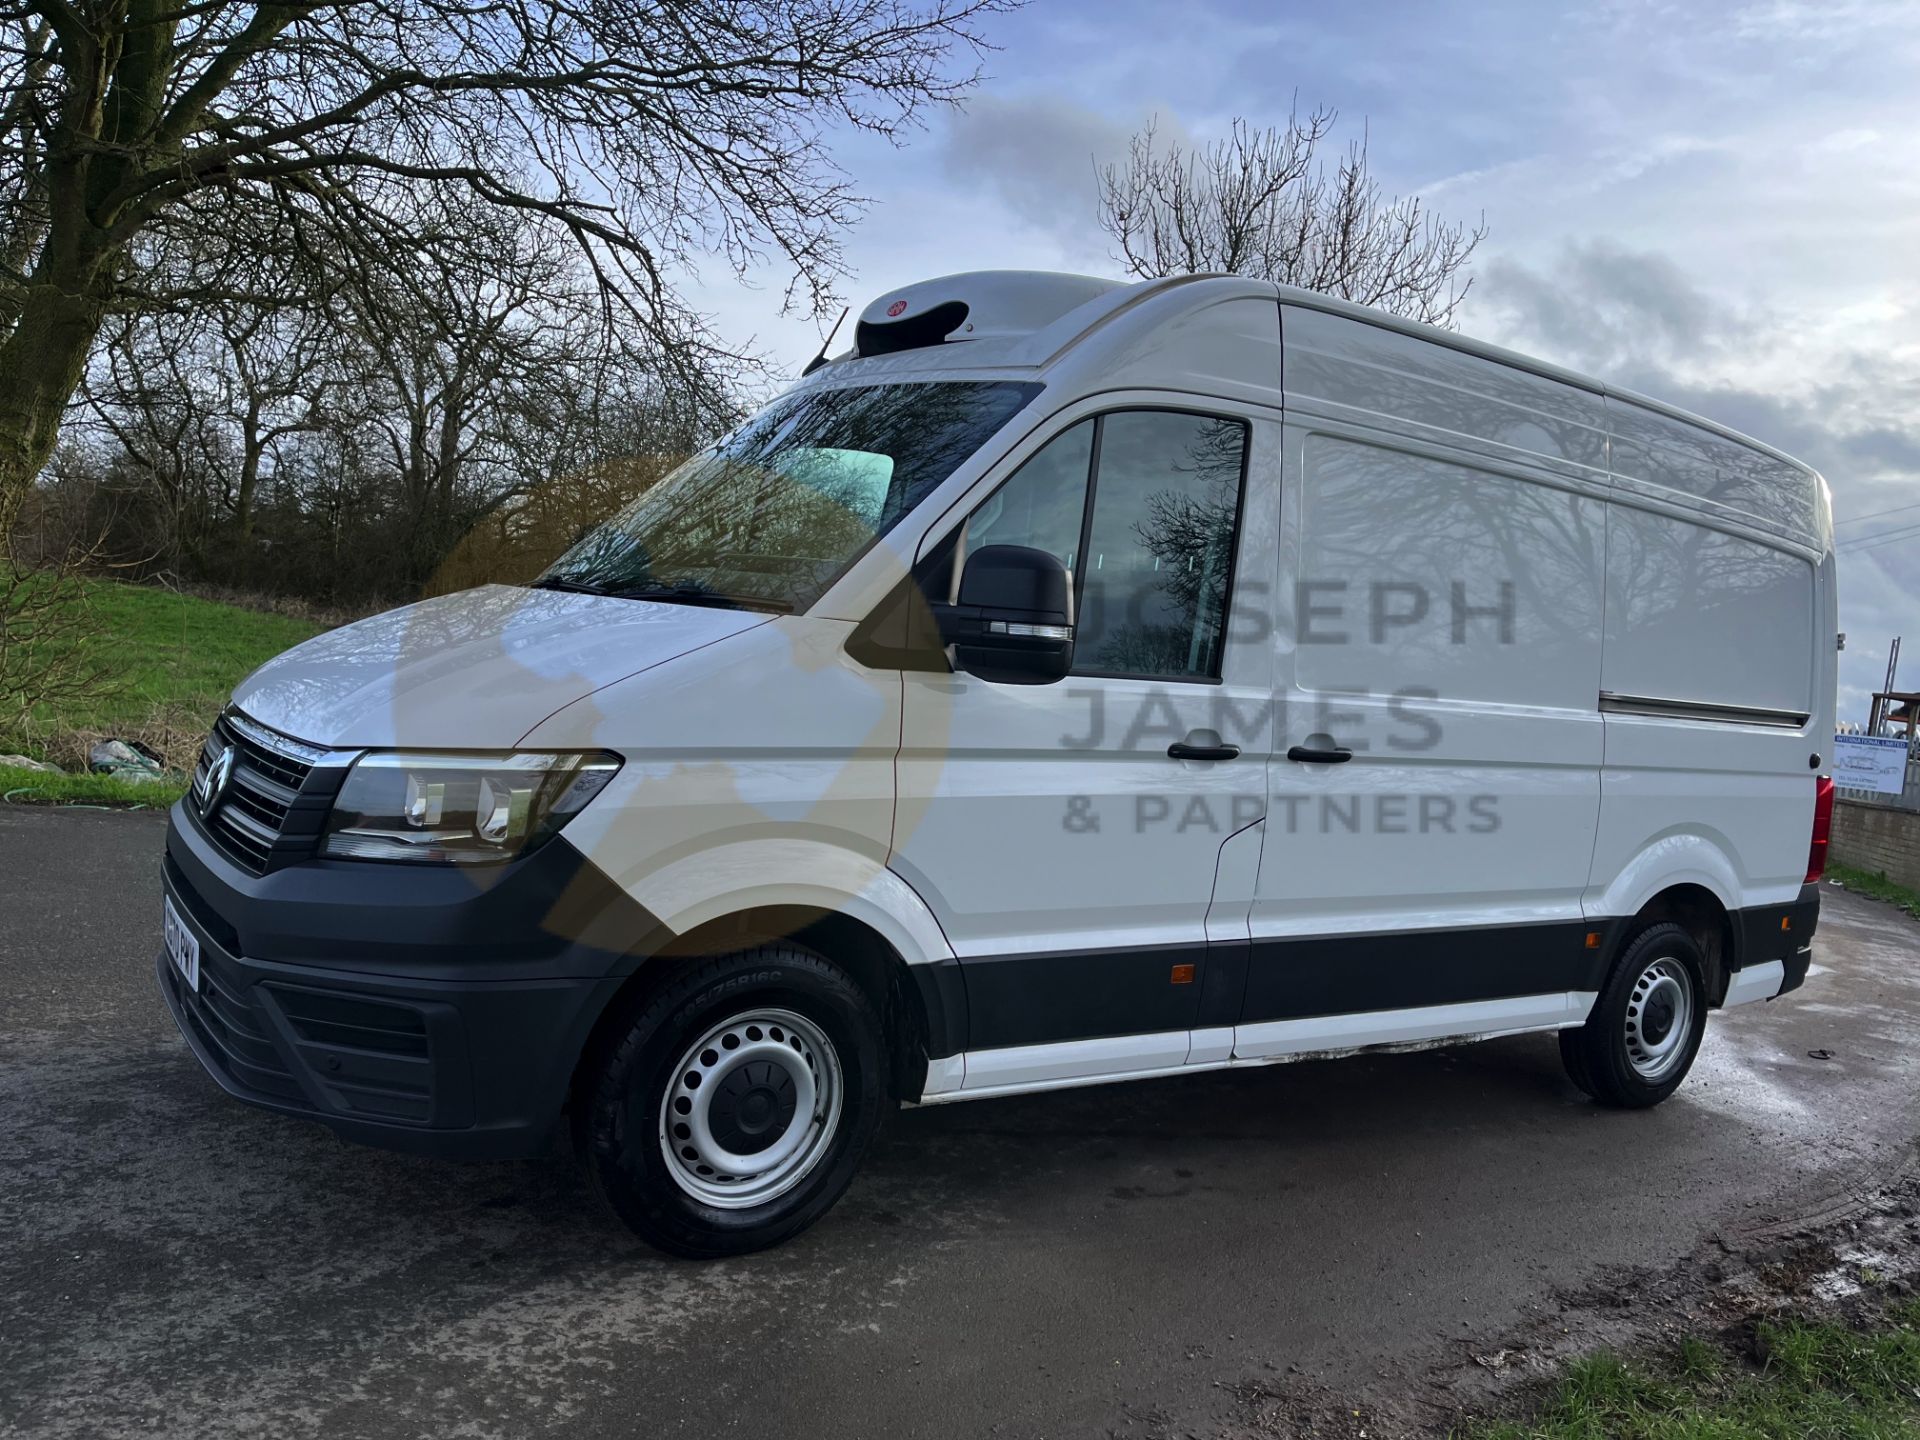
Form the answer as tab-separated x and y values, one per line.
1311	756
1186	750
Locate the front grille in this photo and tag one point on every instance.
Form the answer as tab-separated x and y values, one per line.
372	1056
269	772
333	1019
368	1057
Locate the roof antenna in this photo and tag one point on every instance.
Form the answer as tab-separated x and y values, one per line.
821	358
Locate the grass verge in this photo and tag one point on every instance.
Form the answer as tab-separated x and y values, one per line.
161	649
168	662
1798	1378
1878	886
34	787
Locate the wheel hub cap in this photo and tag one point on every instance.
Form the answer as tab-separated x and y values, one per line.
751	1108
1659	1019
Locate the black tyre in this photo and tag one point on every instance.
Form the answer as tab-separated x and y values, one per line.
1641	1039
728	1111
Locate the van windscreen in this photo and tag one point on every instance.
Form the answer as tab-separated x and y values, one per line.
776	512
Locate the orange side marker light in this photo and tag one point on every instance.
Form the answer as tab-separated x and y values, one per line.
1182	975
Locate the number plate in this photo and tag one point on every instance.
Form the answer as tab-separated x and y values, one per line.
183	948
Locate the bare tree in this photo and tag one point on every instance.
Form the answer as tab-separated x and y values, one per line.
390	413
217	389
650	132
163	452
1263	202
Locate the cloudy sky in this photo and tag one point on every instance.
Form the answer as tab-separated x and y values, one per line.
1718	204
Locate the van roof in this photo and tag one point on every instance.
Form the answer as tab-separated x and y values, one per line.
1026	317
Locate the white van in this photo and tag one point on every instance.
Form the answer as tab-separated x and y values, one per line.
1075	681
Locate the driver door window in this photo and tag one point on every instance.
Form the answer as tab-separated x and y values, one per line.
1044	502
1151	592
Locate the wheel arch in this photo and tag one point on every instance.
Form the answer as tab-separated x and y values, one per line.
1689	875
1704	916
922	1007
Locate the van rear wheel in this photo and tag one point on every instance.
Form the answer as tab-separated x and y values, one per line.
1645	1029
731	1108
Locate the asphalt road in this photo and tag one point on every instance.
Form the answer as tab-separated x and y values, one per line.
1110	1260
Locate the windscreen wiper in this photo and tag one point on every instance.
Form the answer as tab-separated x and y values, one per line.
680	594
570	587
687	594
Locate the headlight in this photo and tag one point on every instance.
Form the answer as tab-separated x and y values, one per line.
459	809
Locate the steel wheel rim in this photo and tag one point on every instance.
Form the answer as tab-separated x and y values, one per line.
1659	1019
751	1108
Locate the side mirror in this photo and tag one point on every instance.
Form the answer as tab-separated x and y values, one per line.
1013	622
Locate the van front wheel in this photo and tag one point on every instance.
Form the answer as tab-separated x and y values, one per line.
732	1107
1645	1029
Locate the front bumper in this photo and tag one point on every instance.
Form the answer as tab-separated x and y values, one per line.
435	1010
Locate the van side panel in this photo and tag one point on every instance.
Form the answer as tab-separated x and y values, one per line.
1697	614
1660	457
1344	369
1722	608
1443	557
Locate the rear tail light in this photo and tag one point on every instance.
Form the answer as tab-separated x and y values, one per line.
1822	829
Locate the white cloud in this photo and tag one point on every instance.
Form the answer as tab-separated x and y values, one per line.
1038	159
1834	22
1604	308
